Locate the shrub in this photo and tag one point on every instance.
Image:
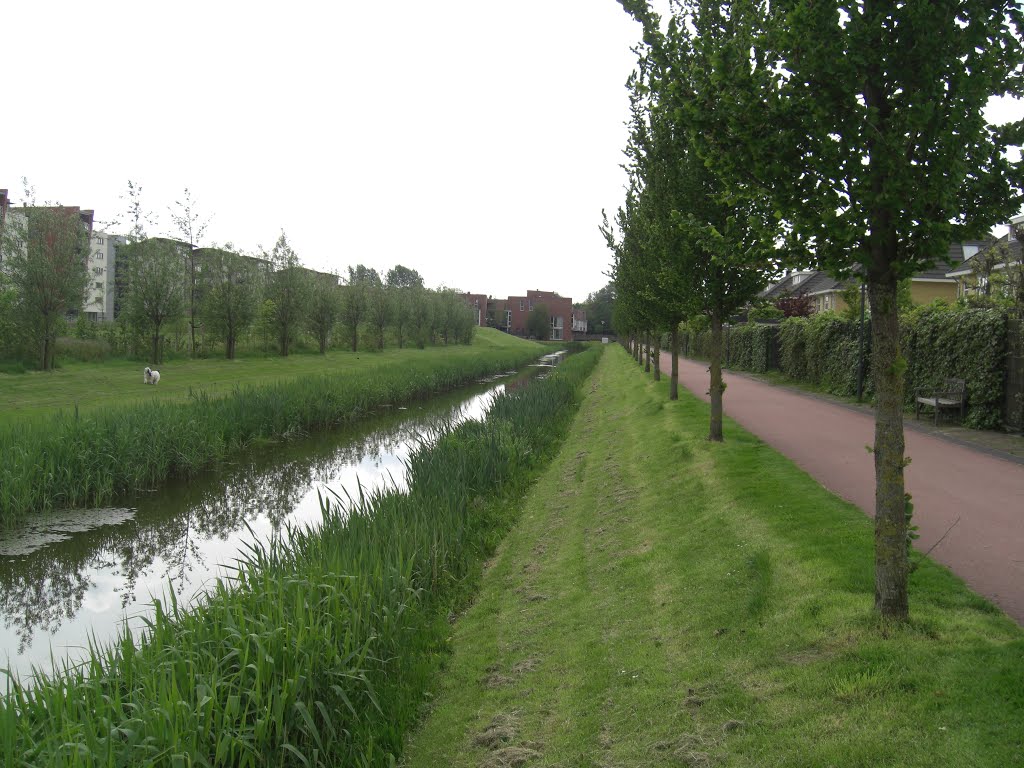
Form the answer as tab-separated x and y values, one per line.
83	350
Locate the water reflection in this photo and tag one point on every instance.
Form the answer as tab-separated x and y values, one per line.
78	574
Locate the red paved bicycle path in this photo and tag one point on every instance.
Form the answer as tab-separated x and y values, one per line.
947	480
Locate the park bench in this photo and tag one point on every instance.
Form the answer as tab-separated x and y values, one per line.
952	394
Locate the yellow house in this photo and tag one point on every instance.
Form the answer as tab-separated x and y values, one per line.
825	293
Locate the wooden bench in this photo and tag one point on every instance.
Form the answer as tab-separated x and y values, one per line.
952	394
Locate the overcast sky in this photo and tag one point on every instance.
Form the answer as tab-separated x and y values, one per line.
474	141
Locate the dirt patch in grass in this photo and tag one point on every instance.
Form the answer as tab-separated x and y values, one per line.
502	730
510	757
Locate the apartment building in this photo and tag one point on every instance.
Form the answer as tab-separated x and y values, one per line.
510	314
102	266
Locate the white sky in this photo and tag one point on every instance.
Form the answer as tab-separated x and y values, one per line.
473	141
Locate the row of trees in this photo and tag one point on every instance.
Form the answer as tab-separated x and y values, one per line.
220	294
232	292
846	137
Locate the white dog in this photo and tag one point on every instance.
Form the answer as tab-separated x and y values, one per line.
150	376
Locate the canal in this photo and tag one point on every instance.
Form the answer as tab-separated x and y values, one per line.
75	576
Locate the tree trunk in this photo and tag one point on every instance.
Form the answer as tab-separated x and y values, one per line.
155	357
657	357
323	343
647	351
892	565
355	338
673	387
715	432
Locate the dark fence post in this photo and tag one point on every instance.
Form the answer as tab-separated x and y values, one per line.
1013	404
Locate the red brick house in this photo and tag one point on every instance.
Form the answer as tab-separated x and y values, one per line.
510	314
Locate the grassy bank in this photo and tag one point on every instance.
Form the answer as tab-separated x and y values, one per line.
319	651
665	601
77	458
89	386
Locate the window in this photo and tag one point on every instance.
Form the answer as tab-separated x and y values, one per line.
556	328
99	241
99	286
508	318
97	270
98	255
521	305
531	305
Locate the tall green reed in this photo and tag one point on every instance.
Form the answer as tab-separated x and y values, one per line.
318	649
68	460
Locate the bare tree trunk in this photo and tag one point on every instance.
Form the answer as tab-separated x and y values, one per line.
673	387
155	357
892	566
657	357
647	351
715	432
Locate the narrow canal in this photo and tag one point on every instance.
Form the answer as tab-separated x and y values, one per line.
77	575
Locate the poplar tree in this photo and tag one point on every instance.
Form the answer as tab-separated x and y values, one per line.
288	289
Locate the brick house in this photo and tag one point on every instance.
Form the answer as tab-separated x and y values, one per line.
510	314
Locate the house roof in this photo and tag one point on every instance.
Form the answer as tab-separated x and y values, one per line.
967	266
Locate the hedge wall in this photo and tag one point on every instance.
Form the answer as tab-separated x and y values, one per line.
939	342
823	350
968	344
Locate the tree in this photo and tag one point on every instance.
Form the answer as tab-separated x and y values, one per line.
355	306
44	251
402	300
381	310
421	315
538	322
863	124
709	250
190	227
599	306
288	288
403	277
324	309
232	289
452	315
155	292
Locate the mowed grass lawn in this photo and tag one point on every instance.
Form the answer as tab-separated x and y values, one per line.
90	385
665	601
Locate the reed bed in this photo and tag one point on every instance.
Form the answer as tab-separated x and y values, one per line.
320	648
69	460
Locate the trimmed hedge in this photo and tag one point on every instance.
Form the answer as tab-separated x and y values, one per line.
938	342
969	344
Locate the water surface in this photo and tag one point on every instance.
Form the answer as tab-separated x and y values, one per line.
76	574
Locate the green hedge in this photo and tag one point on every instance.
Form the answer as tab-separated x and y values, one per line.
823	350
969	344
938	342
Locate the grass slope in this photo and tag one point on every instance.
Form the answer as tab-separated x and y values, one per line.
91	385
666	601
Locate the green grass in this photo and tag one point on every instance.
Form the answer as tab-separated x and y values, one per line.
318	651
89	386
666	601
76	458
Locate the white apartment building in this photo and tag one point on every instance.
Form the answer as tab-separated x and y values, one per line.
102	265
